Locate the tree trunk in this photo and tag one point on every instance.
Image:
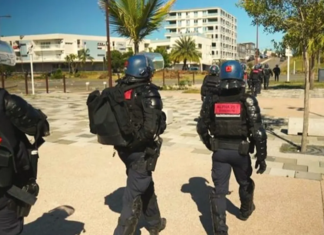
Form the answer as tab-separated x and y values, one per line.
311	72
184	64
306	102
136	47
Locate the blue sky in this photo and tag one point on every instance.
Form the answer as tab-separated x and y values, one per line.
85	17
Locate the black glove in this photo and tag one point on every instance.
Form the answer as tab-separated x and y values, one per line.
261	165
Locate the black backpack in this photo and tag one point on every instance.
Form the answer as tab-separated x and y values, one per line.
109	117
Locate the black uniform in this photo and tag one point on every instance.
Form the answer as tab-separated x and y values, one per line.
145	107
17	165
232	119
267	73
276	71
255	80
209	85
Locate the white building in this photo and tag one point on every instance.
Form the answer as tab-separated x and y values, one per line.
50	50
214	23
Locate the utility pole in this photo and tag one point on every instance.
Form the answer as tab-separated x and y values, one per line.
108	54
257	44
6	16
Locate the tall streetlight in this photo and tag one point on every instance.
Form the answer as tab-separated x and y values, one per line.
6	16
108	56
257	44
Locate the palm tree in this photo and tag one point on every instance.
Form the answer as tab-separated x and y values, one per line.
70	60
185	50
83	56
137	19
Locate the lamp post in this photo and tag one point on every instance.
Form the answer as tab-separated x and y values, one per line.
6	16
108	45
257	44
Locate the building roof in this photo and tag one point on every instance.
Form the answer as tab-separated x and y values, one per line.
200	9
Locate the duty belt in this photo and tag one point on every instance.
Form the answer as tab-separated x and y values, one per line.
229	144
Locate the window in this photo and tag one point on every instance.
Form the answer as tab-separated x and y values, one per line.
196	21
101	55
45	45
68	43
78	41
179	14
23	55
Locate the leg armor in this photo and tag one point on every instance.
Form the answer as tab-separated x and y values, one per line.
152	215
130	224
246	197
218	217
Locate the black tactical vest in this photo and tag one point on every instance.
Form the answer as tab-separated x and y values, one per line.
230	118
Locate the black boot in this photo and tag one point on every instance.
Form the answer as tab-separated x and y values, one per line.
247	205
129	226
218	218
157	229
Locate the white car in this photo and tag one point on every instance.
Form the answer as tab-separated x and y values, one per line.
7	55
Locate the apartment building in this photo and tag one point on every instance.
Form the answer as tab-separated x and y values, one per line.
213	23
50	50
245	50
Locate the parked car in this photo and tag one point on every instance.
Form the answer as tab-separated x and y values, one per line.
283	58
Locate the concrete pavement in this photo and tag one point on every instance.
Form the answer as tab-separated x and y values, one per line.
75	171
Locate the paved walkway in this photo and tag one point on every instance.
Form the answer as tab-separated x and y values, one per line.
69	125
82	184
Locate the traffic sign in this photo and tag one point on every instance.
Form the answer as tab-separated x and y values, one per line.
288	52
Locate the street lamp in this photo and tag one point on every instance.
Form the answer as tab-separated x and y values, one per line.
108	44
257	44
6	16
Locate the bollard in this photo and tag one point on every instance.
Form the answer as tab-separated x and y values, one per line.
46	80
178	78
64	84
87	86
193	78
105	85
163	77
26	83
3	80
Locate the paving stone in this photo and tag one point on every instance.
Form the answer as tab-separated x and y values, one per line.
308	175
318	169
62	141
307	162
289	166
286	160
202	151
321	164
282	172
86	136
271	159
267	171
278	165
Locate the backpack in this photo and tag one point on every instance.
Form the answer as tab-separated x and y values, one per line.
109	117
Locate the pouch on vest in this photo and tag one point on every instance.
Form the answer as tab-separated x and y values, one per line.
6	166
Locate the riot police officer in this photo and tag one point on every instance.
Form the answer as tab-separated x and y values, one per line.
255	80
267	73
145	105
18	160
261	72
210	81
232	118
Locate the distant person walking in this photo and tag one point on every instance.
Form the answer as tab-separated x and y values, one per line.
276	72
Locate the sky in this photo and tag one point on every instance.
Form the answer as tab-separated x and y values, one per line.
84	17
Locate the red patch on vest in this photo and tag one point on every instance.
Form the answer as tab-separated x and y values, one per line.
255	71
0	140
227	108
128	94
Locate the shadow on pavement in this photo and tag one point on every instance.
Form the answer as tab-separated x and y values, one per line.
115	203
54	223
200	191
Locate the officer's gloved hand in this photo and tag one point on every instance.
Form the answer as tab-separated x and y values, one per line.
261	165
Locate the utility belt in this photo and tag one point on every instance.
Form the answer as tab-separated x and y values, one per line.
24	197
242	146
152	154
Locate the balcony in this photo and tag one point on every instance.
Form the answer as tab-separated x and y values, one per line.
52	47
47	58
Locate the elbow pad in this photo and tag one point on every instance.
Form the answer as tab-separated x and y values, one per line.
24	117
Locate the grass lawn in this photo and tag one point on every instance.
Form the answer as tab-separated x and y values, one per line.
300	68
